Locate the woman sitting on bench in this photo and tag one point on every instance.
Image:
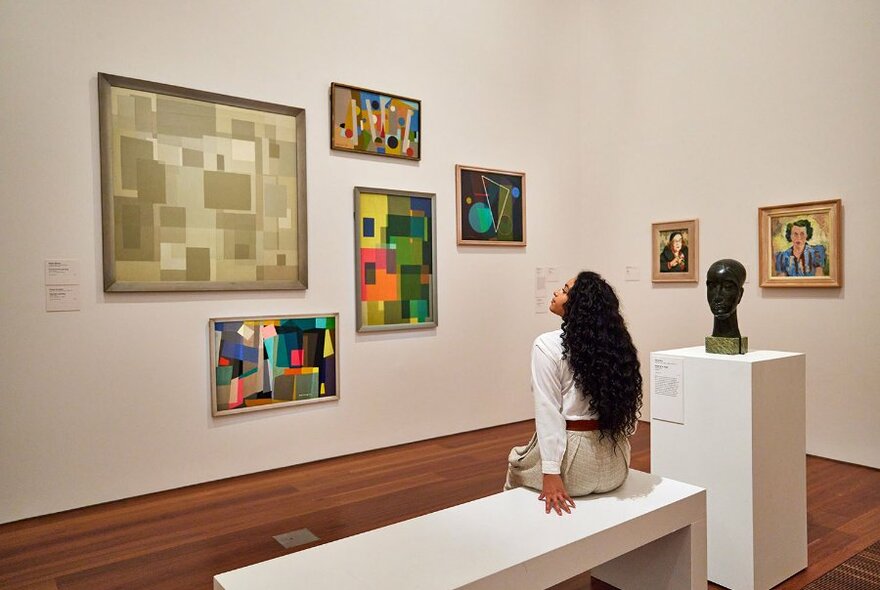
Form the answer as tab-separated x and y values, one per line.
588	393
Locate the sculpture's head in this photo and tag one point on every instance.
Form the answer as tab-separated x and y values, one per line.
724	287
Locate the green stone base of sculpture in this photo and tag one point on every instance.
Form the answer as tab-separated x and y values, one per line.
719	345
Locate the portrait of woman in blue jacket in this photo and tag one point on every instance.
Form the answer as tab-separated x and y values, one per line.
802	259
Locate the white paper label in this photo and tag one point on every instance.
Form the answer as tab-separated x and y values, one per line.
542	304
62	298
667	388
540	281
541	300
62	272
546	283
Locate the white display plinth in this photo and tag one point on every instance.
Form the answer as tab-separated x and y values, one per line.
743	439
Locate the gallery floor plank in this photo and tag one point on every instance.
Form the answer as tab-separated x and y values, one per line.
181	538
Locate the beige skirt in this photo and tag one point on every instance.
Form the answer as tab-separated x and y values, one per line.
589	466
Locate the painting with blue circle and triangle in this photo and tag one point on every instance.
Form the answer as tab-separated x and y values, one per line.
491	207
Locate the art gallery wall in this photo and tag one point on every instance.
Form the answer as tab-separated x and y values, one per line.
710	110
112	400
621	113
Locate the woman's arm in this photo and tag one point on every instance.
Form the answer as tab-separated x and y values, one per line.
550	425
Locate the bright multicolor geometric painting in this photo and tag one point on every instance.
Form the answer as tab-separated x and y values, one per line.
491	207
374	123
200	191
261	363
395	258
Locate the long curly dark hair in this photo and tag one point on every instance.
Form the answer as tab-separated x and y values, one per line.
601	354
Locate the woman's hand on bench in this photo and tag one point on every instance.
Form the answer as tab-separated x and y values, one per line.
554	495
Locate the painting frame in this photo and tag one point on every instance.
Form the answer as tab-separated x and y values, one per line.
340	135
773	230
216	344
518	206
292	230
363	322
690	250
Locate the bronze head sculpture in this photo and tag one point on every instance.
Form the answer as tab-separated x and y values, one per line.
724	291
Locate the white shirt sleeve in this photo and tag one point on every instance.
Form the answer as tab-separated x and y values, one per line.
549	421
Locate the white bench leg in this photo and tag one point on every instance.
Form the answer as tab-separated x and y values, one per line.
674	562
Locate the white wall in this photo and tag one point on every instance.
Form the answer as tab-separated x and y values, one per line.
709	110
113	400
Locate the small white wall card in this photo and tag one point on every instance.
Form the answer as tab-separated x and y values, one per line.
541	300
62	272
667	398
62	297
546	278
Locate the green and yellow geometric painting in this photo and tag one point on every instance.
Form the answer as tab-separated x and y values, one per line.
395	259
201	191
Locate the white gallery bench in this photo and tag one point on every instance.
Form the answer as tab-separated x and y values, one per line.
649	533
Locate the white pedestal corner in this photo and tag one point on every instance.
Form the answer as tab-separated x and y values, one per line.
743	438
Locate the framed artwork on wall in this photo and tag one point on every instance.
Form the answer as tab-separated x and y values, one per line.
268	362
372	122
395	259
799	245
200	191
675	251
490	206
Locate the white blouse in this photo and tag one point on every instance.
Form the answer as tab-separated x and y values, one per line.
556	399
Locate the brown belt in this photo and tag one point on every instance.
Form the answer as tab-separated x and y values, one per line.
582	425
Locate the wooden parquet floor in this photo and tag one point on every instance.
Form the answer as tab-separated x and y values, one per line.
179	539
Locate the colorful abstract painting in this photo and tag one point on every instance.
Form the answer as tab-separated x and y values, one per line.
799	245
395	259
371	122
261	363
491	206
200	191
